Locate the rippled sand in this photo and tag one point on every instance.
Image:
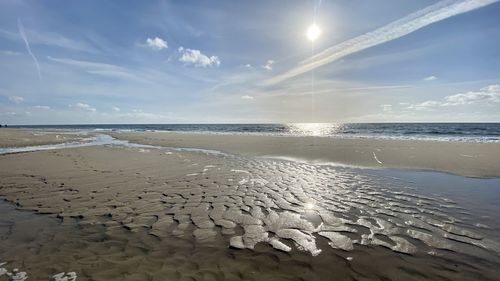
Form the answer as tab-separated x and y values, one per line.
115	213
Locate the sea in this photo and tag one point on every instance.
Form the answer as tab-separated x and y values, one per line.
468	132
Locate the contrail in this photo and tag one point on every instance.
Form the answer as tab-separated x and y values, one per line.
23	35
317	6
396	29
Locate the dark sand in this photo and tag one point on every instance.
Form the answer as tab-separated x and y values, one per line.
118	213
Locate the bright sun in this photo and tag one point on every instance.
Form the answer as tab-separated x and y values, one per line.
313	32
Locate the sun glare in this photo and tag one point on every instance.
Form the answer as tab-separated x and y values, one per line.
313	32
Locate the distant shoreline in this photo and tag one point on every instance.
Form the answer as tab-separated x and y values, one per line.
463	132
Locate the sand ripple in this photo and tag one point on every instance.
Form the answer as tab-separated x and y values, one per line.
285	204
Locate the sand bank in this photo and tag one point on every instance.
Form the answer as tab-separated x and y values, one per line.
10	137
462	158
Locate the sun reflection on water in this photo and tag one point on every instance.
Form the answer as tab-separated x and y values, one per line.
309	206
314	129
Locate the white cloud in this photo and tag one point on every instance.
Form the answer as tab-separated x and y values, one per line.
425	105
396	29
83	106
116	109
16	99
429	103
156	43
197	58
247	97
489	93
42	107
268	65
430	78
140	114
386	107
248	65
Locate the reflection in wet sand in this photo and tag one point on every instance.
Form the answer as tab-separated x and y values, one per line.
195	215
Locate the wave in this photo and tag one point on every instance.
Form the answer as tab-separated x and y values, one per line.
467	132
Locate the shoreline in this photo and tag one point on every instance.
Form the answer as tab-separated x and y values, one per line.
20	137
468	159
446	131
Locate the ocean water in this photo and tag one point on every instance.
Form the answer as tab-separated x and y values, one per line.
476	132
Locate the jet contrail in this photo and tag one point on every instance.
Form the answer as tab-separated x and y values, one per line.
317	6
23	35
396	29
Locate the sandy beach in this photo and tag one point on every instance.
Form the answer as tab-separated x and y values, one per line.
461	158
122	212
250	140
11	137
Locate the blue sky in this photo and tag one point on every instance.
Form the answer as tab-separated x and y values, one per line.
249	61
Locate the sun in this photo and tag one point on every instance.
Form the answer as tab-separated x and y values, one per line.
313	32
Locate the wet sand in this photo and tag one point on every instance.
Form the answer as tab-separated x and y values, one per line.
11	137
125	213
461	158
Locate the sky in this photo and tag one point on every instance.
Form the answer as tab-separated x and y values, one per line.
79	62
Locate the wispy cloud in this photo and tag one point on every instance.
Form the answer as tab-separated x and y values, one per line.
268	65
197	58
247	97
386	107
51	39
156	43
83	106
302	87
10	53
16	99
399	28
8	113
102	69
140	114
426	105
430	78
116	109
28	48
45	107
86	64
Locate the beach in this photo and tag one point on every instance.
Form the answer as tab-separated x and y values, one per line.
250	140
472	159
183	206
13	137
